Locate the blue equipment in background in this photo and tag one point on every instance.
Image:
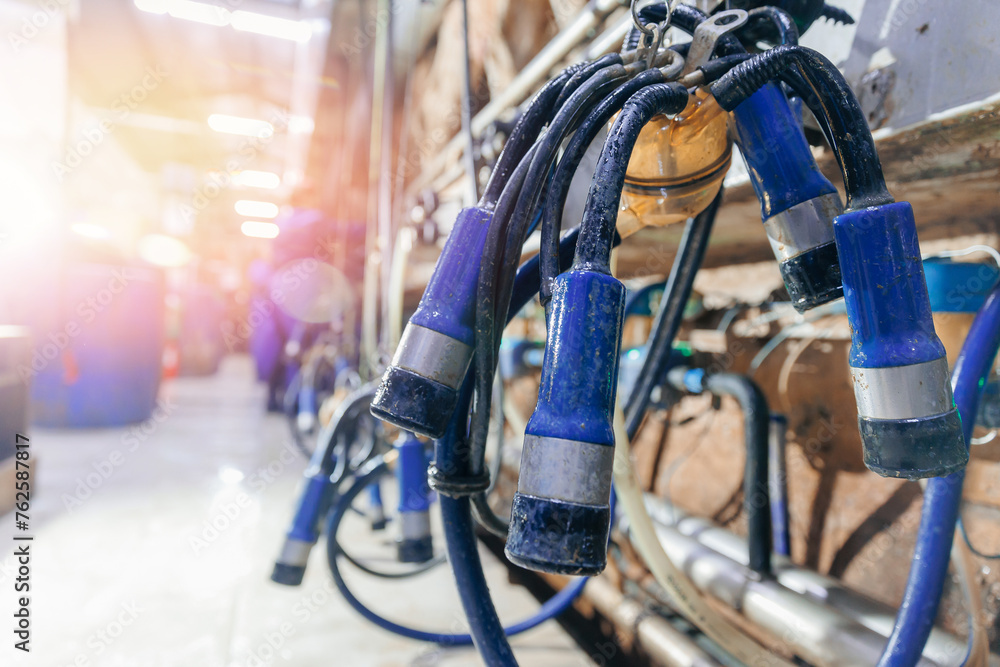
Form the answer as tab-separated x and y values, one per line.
101	362
415	542
959	287
200	343
328	467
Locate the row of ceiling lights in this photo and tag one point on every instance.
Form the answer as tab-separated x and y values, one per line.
262	24
253	179
217	15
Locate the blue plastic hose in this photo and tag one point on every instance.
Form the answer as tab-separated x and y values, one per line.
778	487
942	498
557	604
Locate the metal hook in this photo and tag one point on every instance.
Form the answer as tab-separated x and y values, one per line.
649	52
647	29
675	63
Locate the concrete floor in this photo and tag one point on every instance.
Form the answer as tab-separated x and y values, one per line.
127	568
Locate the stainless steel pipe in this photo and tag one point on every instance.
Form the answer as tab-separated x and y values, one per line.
812	630
663	642
943	649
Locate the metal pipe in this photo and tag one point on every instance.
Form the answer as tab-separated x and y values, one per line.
611	39
664	643
943	648
384	208
539	67
527	80
375	254
815	632
470	157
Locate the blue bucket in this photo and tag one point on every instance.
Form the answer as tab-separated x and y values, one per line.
98	362
958	287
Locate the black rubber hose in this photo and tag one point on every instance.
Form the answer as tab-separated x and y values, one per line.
380	471
764	23
690	254
823	89
593	250
525	287
772	24
687	19
334	437
555	198
485	313
451	455
681	49
805	11
481	510
583	74
715	68
576	109
289	406
538	112
510	199
756	498
414	571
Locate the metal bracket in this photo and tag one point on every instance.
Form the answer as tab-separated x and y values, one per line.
708	33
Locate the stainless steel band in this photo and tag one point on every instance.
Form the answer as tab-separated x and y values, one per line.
903	392
295	552
415	525
433	355
567	470
803	226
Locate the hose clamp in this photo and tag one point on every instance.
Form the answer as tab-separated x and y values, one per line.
433	355
802	227
567	470
914	391
295	552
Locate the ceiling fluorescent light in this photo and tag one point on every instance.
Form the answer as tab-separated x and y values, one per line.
257	209
248	127
272	26
259	230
